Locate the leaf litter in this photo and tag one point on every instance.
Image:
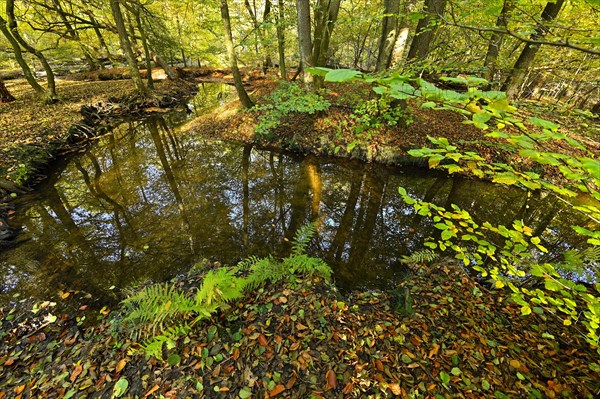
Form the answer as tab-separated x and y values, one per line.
305	339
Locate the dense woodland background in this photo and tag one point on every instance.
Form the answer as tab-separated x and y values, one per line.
536	49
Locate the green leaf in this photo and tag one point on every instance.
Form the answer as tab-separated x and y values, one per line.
445	377
455	371
552	285
543	123
505	178
120	388
341	75
245	393
406	359
485	385
428	104
173	359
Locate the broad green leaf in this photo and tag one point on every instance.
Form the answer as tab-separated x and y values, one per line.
543	123
245	393
505	178
120	388
342	75
485	385
445	377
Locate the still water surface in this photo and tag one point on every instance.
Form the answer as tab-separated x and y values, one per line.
148	201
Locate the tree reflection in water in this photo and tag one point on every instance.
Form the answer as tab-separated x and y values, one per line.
148	202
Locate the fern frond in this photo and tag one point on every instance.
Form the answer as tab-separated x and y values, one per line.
578	260
248	262
302	238
420	257
308	265
264	270
221	285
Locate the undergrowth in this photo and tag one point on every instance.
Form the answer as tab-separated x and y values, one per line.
287	98
159	314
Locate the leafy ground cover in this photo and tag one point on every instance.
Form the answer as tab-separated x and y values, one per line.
441	334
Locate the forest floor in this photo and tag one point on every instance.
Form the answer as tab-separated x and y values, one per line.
453	338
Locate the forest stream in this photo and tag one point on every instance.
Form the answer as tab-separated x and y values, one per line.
149	200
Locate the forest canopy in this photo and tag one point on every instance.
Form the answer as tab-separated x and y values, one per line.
528	48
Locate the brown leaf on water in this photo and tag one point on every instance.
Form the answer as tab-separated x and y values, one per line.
76	372
331	380
277	390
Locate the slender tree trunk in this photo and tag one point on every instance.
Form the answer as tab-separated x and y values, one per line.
515	79
237	77
268	63
5	96
126	47
491	57
39	90
426	28
142	30
280	23
12	25
304	37
389	34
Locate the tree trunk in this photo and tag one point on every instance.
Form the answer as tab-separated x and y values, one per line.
491	57
165	66
517	75
12	25
237	77
304	37
426	28
126	47
5	96
280	23
326	14
268	63
138	21
390	28
39	90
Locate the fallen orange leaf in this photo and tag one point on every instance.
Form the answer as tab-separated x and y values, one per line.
121	365
151	391
277	390
76	372
331	380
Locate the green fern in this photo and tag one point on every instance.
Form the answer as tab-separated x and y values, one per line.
577	261
221	285
420	257
307	265
160	313
302	238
